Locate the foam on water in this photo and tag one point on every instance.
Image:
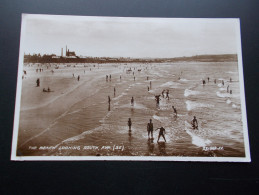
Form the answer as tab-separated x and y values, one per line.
191	105
121	95
196	140
228	101
235	106
170	84
189	92
135	106
159	118
221	89
184	80
223	95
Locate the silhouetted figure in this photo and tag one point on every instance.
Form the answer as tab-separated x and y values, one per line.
208	79
134	78
132	101
120	77
38	82
150	129
230	80
215	81
150	84
230	91
147	78
129	124
109	99
203	82
161	133
194	123
78	78
228	88
110	77
148	88
175	111
157	97
163	93
114	90
222	82
167	94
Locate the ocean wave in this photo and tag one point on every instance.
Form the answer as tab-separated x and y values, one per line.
223	95
82	135
189	92
190	105
196	140
160	118
135	106
121	95
228	101
170	84
235	106
185	80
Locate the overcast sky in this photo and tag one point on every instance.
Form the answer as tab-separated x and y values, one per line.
128	37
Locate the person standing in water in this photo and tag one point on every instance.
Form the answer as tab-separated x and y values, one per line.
175	111
109	100
129	124
163	93
167	94
150	129
38	82
132	101
157	97
78	78
194	123
161	133
215	81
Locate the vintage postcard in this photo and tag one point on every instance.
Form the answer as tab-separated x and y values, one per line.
144	89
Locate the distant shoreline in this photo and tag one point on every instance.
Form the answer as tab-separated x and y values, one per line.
104	60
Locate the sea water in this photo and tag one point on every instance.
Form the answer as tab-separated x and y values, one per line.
93	127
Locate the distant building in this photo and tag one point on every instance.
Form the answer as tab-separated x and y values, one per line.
70	53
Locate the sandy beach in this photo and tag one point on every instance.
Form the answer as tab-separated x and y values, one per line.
75	118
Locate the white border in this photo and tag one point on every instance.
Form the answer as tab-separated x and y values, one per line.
247	157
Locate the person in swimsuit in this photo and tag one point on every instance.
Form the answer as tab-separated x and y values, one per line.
194	123
161	133
150	129
129	124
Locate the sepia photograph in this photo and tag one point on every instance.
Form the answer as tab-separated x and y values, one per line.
124	88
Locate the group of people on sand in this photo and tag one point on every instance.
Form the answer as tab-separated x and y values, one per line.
47	90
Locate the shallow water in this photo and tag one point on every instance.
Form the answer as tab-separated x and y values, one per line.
92	127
